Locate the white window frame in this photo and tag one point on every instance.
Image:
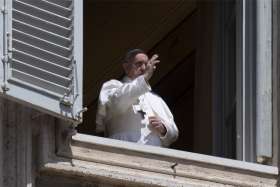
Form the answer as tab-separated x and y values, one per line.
254	83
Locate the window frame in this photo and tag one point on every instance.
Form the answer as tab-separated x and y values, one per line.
254	82
253	66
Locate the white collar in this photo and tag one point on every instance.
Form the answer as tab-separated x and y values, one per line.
127	79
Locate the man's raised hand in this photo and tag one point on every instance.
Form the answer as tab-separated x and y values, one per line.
151	66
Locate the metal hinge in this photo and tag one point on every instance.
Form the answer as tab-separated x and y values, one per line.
6	59
4	10
79	113
9	40
70	97
66	101
6	48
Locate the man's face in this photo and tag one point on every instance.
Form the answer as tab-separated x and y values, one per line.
137	66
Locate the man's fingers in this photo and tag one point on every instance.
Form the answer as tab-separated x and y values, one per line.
155	56
151	66
153	117
154	62
155	123
160	129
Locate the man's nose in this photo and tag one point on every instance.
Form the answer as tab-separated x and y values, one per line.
143	66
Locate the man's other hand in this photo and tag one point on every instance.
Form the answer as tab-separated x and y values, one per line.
156	124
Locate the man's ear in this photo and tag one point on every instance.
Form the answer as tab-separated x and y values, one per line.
125	67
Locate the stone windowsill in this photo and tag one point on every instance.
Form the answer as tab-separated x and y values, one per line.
121	162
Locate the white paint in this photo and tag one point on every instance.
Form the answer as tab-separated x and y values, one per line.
243	79
264	79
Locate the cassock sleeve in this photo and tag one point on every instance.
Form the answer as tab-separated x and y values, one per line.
169	123
116	97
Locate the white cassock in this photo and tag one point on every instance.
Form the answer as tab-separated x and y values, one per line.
124	108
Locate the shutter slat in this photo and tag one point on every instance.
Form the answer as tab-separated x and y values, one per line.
33	80
41	43
43	14
52	7
40	73
42	30
64	3
46	55
44	34
41	63
40	23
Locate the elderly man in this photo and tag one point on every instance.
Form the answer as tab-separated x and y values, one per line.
129	111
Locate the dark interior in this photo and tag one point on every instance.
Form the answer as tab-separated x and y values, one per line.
183	33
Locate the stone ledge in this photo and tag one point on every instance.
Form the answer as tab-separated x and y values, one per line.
167	162
117	176
176	154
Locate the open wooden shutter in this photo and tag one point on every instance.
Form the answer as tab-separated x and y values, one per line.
42	46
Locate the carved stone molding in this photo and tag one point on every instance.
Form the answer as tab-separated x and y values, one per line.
90	158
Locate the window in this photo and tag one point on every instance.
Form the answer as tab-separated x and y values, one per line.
206	47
